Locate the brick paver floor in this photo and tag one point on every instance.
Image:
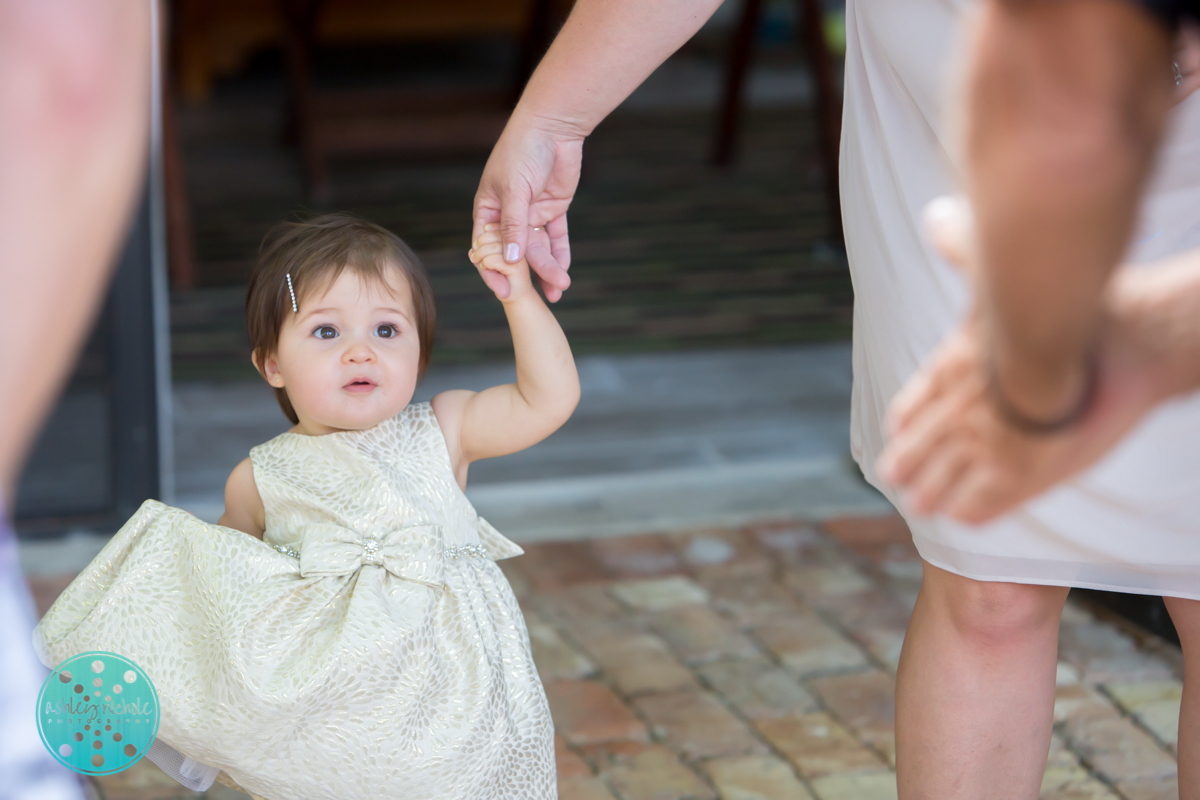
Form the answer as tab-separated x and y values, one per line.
759	664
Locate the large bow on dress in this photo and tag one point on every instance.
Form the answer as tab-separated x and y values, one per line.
413	552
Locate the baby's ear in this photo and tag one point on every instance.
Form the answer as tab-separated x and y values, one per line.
268	367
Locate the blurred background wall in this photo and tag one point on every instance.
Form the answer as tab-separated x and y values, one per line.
390	113
706	217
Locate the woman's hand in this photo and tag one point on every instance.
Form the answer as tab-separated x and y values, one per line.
604	50
952	452
527	185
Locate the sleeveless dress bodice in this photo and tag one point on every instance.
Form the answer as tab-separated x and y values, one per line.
376	482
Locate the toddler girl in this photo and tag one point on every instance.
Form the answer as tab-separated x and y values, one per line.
345	631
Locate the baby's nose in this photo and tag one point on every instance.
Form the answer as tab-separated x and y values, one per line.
359	352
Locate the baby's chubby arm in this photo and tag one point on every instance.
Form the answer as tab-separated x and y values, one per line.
508	418
243	505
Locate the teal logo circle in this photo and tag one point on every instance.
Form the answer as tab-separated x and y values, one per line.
97	713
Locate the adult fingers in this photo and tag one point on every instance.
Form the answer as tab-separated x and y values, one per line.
949	366
551	264
903	458
497	282
552	278
955	362
939	477
560	243
514	221
551	275
980	496
949	224
486	210
921	388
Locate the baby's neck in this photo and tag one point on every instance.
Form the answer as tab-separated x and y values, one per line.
309	427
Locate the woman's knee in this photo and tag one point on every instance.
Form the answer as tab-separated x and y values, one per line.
992	614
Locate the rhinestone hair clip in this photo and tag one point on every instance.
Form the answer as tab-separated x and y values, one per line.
292	292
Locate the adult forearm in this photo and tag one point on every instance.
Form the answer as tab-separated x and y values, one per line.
74	118
1065	108
1157	311
604	51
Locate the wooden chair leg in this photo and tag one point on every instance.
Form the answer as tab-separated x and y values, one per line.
299	21
189	49
540	30
828	107
735	77
181	262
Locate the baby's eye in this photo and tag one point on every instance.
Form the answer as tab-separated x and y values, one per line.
386	331
325	332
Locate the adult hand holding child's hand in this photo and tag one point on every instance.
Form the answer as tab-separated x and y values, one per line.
526	188
487	254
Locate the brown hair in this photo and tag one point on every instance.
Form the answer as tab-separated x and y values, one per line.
315	252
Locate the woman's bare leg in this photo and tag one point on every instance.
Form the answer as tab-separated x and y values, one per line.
975	689
1186	616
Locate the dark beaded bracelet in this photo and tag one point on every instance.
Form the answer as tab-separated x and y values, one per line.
1039	427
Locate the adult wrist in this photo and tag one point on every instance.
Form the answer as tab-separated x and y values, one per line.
555	124
1040	390
1037	388
1153	313
1037	424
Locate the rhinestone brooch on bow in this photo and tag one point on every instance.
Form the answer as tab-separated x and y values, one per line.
371	551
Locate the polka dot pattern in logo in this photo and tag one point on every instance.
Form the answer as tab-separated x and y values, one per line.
121	726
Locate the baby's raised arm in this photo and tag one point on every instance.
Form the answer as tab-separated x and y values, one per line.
509	418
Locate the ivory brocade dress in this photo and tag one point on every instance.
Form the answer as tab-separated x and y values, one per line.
368	647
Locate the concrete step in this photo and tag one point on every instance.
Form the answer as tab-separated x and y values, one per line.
659	442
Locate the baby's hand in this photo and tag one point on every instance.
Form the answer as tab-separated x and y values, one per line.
487	254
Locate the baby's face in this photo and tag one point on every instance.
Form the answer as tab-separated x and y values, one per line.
349	358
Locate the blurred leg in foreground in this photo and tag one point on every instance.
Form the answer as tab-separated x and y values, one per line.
1186	616
74	122
29	773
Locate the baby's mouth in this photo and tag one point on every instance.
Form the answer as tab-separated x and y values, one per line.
360	385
